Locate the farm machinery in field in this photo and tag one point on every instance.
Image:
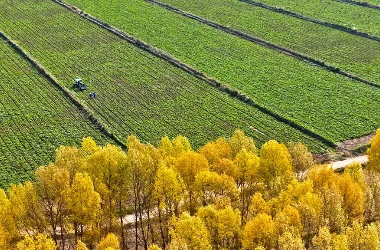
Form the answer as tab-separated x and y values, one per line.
79	84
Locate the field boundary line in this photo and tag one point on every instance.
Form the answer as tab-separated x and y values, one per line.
82	107
177	63
265	43
313	20
363	4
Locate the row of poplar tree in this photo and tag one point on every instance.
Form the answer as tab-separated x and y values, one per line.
223	196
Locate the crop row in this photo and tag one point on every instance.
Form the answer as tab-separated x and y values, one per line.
35	118
308	95
137	92
351	16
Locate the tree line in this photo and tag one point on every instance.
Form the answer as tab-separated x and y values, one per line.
226	195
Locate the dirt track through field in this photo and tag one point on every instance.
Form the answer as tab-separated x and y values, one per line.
262	42
221	87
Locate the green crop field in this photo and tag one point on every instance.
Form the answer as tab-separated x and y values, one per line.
275	81
351	16
35	118
358	55
137	92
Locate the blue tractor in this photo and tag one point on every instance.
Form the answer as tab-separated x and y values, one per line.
79	84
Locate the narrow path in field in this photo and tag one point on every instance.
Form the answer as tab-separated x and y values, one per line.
313	20
363	4
177	63
262	42
87	113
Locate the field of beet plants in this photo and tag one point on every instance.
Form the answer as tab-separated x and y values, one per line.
137	92
151	97
355	54
338	12
35	118
275	81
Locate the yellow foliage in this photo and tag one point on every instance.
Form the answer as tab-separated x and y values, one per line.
356	172
168	187
247	164
154	247
258	206
302	159
260	231
275	161
189	164
239	141
39	242
88	147
340	242
322	241
191	230
353	197
322	177
84	202
216	151
180	145
374	153
81	246
289	241
110	241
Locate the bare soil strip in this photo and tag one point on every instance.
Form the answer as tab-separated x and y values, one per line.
175	62
87	113
363	4
313	20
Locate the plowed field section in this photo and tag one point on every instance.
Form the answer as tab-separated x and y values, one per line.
35	118
137	92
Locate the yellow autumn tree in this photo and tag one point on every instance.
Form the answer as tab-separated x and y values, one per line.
191	230
302	159
353	197
216	151
83	202
374	153
71	159
110	241
189	164
39	242
27	208
169	191
8	231
109	171
258	206
223	225
52	186
275	168
239	141
247	163
210	187
290	241
81	246
260	231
